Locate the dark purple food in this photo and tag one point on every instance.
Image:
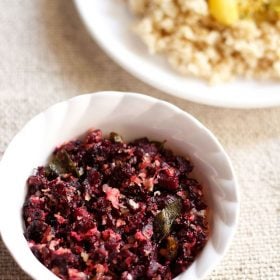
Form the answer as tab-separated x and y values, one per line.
105	209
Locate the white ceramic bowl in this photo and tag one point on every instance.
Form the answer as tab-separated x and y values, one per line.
110	23
132	115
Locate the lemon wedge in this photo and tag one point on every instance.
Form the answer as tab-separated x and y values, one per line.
224	11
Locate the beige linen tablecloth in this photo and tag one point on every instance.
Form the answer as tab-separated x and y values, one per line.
46	56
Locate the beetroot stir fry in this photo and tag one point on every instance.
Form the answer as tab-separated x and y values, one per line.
106	209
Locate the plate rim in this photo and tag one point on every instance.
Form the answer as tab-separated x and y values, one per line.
82	8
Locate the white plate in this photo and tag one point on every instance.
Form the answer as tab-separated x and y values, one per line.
110	24
132	115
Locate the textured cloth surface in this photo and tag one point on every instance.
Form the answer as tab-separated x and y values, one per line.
48	56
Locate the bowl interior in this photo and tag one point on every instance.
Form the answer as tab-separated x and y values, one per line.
132	116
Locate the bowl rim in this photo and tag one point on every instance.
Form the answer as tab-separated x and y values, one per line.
5	234
123	57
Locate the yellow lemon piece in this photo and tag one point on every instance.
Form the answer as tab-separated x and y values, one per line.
275	6
224	11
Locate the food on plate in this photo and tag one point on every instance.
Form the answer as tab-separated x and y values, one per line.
224	11
230	11
216	40
105	209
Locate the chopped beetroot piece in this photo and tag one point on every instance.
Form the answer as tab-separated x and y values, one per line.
35	230
106	209
168	182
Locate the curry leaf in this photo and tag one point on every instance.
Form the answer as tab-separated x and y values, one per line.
164	219
115	137
159	145
62	163
171	248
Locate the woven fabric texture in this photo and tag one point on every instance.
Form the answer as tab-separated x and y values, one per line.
48	56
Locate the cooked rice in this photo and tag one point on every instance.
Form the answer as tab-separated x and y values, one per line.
196	45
